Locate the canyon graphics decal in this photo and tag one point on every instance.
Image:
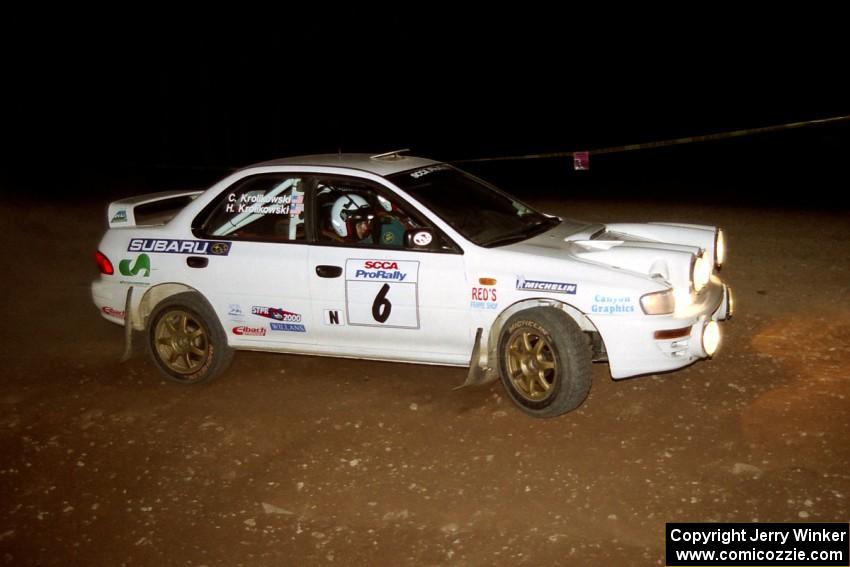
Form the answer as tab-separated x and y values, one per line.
612	305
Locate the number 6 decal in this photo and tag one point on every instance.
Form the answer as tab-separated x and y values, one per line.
382	293
381	307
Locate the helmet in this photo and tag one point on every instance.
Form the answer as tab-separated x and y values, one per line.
347	211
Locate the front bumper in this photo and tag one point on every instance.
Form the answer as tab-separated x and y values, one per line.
651	344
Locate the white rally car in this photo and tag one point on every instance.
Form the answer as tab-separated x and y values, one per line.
400	258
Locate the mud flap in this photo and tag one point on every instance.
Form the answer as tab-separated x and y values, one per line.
477	376
128	327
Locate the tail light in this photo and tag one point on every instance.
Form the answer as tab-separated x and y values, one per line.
103	263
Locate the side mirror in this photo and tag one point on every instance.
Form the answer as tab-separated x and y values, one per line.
420	239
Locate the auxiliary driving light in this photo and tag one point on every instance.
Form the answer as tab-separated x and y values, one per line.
719	248
710	337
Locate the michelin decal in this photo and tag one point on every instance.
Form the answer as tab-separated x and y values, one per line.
523	284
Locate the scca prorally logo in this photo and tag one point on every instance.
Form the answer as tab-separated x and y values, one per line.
120	216
169	246
249	331
142	264
380	270
553	287
276	313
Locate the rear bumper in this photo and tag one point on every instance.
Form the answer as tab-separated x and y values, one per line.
109	298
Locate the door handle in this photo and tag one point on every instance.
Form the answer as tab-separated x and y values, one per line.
328	271
197	262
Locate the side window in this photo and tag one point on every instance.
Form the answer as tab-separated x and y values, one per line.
267	207
353	212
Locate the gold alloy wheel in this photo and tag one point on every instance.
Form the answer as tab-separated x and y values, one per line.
181	342
531	364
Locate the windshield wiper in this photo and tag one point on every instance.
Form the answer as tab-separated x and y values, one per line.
505	240
527	232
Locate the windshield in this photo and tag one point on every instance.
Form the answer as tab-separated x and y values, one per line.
477	210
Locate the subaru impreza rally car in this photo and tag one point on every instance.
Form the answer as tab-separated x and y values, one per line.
400	258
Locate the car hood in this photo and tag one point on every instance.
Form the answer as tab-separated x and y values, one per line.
659	250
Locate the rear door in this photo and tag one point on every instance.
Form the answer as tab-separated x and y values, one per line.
260	291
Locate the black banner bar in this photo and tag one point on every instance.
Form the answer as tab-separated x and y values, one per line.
797	544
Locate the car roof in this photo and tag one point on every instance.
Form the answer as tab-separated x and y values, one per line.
383	165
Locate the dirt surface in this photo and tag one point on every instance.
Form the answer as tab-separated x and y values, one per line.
290	460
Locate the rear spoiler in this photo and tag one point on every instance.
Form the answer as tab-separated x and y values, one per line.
122	213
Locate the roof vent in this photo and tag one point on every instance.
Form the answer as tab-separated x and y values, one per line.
391	156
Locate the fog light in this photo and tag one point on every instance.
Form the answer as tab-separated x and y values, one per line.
710	337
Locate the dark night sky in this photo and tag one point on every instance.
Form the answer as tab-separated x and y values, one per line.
102	104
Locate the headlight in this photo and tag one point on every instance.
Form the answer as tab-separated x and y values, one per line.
683	298
702	272
658	303
719	248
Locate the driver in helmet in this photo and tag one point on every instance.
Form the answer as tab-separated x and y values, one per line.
351	218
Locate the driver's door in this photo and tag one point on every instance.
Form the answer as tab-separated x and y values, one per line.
380	299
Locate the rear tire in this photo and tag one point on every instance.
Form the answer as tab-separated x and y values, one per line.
186	341
544	362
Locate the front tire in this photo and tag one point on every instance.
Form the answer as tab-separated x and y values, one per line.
186	341
544	362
